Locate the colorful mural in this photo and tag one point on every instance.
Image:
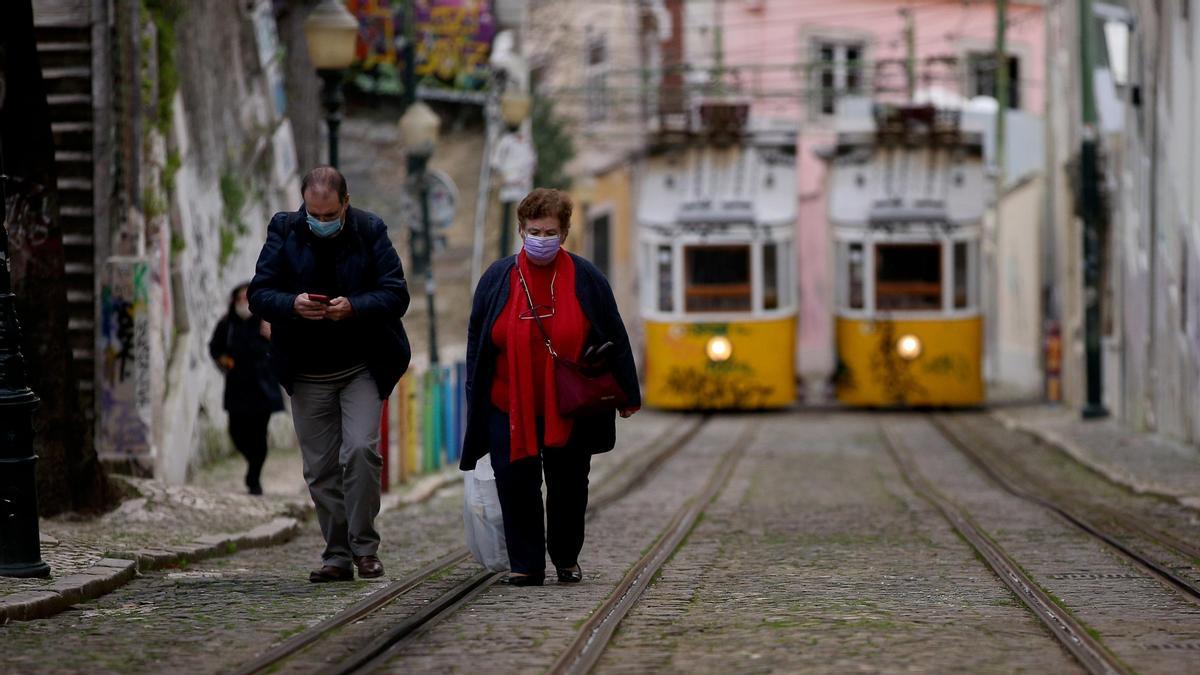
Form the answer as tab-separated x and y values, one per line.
453	43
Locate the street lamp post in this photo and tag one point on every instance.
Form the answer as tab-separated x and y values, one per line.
1089	175
20	541
419	132
331	32
514	109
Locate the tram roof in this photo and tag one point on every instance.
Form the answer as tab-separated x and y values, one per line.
752	182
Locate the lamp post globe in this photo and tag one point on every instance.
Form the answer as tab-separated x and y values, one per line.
514	108
331	33
419	129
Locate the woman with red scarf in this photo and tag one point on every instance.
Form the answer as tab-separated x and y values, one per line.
512	408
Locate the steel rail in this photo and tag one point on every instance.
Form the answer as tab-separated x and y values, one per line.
380	649
1072	516
1088	651
593	637
642	471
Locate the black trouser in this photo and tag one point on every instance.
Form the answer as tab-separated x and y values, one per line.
527	532
249	433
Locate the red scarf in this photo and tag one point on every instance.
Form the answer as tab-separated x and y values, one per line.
568	332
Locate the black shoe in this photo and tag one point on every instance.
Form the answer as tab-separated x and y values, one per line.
570	576
256	490
523	579
330	573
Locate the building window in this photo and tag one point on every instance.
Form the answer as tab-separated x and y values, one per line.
837	70
718	279
981	77
596	85
908	277
600	237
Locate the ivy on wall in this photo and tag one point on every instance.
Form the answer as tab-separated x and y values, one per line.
165	14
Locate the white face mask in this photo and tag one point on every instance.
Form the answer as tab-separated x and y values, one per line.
242	309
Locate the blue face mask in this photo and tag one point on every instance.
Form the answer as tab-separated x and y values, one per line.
324	230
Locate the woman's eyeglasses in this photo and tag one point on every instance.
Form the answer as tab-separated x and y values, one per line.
542	312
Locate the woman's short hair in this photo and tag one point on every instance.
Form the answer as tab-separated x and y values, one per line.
546	203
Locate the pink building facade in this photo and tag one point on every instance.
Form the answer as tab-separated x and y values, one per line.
795	59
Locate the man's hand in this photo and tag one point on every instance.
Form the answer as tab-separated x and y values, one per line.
339	308
264	329
308	309
626	413
226	362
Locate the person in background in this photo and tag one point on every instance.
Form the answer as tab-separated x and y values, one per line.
512	409
330	282
240	344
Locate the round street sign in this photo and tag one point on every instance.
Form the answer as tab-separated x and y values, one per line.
443	201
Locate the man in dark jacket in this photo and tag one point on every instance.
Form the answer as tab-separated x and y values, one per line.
331	284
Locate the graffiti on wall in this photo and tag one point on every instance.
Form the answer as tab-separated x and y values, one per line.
453	43
124	382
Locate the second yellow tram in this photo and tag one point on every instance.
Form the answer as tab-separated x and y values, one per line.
906	203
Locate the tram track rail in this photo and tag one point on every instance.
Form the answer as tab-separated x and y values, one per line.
1089	652
627	477
1022	485
593	637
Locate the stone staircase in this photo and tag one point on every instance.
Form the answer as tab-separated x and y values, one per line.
66	57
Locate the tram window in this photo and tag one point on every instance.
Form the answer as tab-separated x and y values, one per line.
961	297
770	276
666	292
908	277
854	269
718	279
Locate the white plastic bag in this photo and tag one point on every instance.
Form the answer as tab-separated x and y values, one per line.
482	518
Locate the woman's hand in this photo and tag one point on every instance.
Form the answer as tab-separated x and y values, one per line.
226	362
264	329
626	413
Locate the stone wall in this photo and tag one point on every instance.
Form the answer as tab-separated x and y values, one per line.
212	171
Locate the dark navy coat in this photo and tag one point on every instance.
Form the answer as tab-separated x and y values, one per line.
369	270
594	434
250	387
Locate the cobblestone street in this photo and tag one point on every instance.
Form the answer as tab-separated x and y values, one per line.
817	555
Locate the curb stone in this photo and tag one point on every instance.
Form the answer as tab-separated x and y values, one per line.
1075	452
120	568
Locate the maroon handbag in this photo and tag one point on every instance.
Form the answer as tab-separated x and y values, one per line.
582	389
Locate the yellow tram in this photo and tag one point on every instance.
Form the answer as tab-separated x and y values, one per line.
715	225
906	200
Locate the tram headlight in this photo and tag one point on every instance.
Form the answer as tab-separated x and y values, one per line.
718	349
908	347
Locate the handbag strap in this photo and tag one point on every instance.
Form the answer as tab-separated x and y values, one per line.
533	311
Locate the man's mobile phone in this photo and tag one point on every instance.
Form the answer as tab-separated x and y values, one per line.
316	297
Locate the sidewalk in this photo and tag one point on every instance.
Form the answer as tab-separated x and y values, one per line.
159	526
1145	463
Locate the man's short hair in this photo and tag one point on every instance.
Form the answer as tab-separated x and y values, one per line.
546	203
325	178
